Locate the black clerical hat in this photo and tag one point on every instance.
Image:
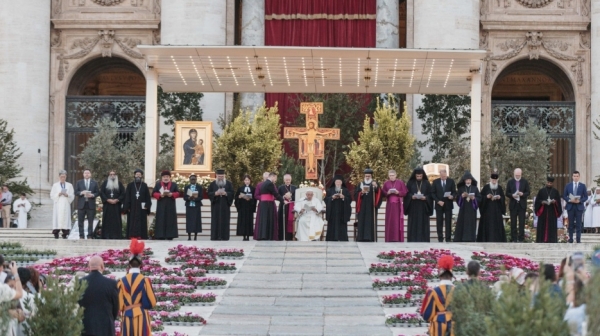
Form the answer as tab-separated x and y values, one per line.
550	179
338	177
138	171
368	171
165	172
494	176
220	171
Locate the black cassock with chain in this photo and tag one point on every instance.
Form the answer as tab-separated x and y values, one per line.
137	194
491	222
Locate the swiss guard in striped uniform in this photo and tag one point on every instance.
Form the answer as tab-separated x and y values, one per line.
136	296
437	299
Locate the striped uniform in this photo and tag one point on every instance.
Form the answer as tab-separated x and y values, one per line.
434	311
135	298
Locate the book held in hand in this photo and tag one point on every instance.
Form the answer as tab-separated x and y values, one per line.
471	195
447	194
574	197
366	189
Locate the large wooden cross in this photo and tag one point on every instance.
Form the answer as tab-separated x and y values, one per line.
311	138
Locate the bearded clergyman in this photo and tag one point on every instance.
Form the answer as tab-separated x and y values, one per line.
137	206
112	193
418	206
220	193
492	208
310	223
368	200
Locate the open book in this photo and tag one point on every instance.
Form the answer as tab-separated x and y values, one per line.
419	195
496	197
548	201
574	197
164	191
366	189
447	194
192	193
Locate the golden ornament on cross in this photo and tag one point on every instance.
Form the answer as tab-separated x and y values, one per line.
311	138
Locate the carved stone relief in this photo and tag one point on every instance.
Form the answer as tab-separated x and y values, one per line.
483	39
156	37
106	38
535	42
56	7
55	38
584	40
585	7
156	7
107	2
534	3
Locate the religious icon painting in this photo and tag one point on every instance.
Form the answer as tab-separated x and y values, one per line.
193	146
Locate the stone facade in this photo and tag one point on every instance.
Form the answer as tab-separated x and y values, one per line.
553	31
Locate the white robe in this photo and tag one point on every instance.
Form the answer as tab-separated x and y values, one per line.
61	217
310	224
21	208
592	212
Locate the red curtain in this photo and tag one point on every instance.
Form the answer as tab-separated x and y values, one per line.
316	23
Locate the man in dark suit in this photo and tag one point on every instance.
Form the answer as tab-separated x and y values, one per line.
86	191
444	204
575	206
517	190
288	191
100	301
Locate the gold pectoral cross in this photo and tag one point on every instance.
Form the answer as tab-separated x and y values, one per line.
311	138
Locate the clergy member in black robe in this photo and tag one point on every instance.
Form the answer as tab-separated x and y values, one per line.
492	208
220	193
286	219
165	194
338	210
468	199
548	208
245	203
368	200
137	207
266	215
418	206
192	195
112	193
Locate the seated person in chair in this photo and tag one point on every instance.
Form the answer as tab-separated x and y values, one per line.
309	223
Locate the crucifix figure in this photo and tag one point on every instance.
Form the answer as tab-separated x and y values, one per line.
311	138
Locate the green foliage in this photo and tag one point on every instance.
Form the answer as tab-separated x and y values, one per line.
292	166
513	314
249	146
385	145
343	111
470	304
106	151
9	155
530	151
57	310
592	307
5	317
443	115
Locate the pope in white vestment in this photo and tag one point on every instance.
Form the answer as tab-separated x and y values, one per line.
62	194
310	223
21	207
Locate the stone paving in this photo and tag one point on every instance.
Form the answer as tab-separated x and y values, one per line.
293	288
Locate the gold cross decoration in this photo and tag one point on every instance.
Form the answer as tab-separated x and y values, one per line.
311	138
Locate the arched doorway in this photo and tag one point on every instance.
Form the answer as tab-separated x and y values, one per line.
541	91
104	87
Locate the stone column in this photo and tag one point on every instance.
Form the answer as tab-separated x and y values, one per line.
595	99
476	125
253	34
25	87
151	141
441	25
387	24
198	22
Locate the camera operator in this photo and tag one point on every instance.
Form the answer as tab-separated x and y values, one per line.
6	293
